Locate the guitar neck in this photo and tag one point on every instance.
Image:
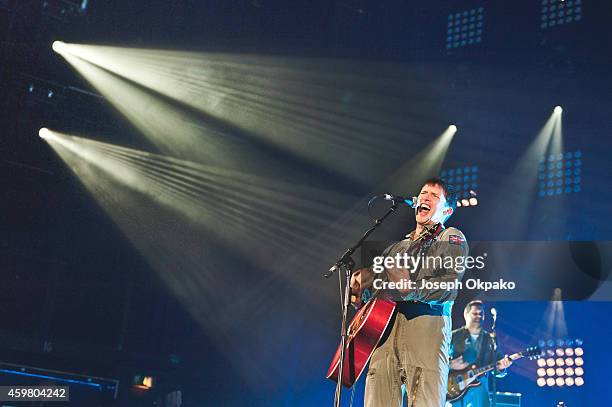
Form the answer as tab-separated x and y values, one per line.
488	368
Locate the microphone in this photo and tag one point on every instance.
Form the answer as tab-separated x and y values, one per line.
494	313
411	202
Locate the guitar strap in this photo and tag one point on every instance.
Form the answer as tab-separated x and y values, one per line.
421	248
431	238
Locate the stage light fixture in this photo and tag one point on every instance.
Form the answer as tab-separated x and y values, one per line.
452	128
558	109
143	382
44	133
560	173
463	181
558	12
464	28
541	382
58	46
561	368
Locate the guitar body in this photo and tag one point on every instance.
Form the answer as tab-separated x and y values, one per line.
460	381
364	333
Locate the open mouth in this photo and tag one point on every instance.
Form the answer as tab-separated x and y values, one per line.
424	209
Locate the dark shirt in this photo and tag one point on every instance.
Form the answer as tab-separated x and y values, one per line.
479	352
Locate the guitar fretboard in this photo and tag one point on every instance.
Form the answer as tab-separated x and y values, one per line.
490	367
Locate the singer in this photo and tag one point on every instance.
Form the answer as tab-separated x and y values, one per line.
412	362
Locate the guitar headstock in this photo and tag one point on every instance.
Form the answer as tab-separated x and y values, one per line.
532	352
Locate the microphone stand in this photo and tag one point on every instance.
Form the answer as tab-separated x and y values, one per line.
494	361
346	264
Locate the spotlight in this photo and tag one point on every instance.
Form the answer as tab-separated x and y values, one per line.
58	46
473	201
560	362
560	371
579	371
550	362
558	109
143	382
579	351
569	361
560	382
559	352
465	202
452	128
579	381
550	371
569	381
569	371
541	382
550	382
541	362
569	352
579	361
44	133
458	204
541	372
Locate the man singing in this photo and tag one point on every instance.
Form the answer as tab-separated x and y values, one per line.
412	361
472	345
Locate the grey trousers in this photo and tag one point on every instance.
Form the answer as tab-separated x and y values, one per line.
412	363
